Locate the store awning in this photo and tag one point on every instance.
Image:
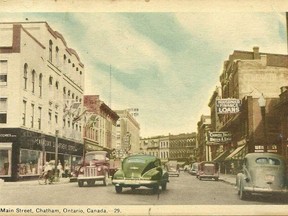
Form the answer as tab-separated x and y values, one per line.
235	152
222	156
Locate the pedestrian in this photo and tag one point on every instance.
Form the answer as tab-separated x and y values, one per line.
60	170
47	172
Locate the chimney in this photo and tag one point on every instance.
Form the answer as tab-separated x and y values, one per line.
256	54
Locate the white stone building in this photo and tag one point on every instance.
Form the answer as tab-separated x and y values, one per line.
39	74
127	133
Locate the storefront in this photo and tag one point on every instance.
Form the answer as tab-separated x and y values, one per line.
23	153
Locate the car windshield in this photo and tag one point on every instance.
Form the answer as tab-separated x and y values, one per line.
95	157
270	161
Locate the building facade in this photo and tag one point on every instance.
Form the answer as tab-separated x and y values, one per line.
203	127
253	78
127	133
38	74
99	126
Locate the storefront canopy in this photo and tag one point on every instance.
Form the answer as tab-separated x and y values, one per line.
235	153
222	156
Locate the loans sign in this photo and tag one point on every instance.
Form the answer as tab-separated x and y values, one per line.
228	105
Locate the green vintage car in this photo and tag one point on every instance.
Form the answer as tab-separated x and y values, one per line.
141	170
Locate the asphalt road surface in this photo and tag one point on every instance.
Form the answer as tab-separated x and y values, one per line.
183	190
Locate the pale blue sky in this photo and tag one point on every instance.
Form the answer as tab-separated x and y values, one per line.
165	64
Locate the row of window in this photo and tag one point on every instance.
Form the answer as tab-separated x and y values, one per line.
164	155
65	60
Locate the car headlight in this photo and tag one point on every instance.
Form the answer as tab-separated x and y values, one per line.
98	169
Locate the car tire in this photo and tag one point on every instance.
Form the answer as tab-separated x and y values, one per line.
90	182
80	183
164	186
216	179
155	189
118	189
243	195
106	179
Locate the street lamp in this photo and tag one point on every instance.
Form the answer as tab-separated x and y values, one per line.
262	105
56	149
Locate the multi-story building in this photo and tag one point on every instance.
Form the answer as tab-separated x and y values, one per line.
150	145
39	72
164	148
127	133
179	147
253	78
182	147
203	127
99	126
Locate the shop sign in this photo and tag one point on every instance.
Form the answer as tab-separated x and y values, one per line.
219	137
228	105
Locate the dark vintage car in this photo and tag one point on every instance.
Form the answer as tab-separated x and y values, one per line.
262	173
95	167
208	170
140	170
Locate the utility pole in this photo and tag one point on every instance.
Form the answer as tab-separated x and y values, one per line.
287	29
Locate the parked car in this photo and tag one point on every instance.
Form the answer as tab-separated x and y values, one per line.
94	168
208	169
262	173
141	170
173	168
194	169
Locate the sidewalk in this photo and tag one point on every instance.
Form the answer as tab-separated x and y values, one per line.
228	178
34	181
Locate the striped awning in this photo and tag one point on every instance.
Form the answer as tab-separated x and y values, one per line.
222	156
235	152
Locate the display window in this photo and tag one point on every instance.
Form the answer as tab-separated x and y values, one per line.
30	162
5	159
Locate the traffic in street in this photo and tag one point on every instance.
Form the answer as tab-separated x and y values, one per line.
183	190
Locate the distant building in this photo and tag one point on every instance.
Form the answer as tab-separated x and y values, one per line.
127	133
203	127
100	125
179	147
39	73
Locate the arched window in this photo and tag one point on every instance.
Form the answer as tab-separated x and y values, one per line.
50	50
33	81
76	98
73	95
65	63
25	75
57	56
50	80
40	84
57	85
64	90
69	92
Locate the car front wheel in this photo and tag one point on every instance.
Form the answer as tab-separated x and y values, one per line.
164	186
118	189
80	183
155	189
243	195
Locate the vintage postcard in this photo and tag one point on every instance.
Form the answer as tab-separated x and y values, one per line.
143	107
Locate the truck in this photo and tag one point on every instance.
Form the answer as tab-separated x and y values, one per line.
95	167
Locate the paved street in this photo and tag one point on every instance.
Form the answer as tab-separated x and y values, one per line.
183	190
